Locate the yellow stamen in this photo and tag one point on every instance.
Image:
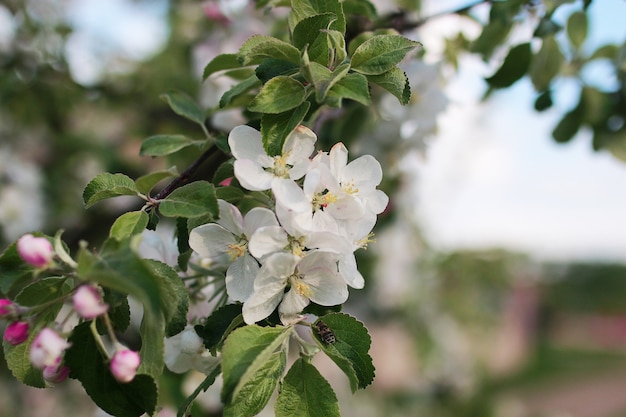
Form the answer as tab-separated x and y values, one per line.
349	188
362	243
236	250
303	289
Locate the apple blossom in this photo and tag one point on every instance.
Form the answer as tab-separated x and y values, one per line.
88	302
312	278
124	364
36	251
257	171
227	242
47	348
186	351
16	332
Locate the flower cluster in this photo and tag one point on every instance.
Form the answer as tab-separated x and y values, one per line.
302	251
49	343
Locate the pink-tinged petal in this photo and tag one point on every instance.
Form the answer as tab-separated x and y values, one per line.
7	307
212	241
295	223
252	176
267	240
364	172
47	348
36	251
256	218
88	302
348	270
338	157
278	267
346	207
240	278
292	305
376	201
299	145
55	374
230	218
124	365
263	302
289	194
246	143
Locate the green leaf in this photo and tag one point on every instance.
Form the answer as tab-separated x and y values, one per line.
129	224
350	349
119	310
358	40
239	89
12	269
577	28
160	145
224	172
191	200
546	64
306	393
213	331
360	8
568	126
88	365
183	105
604	52
396	82
323	79
18	361
271	68
308	29
146	183
547	27
43	291
245	351
230	194
278	95
174	296
353	87
220	63
381	53
543	101
108	185
276	127
255	394
152	351
260	47
513	68
302	9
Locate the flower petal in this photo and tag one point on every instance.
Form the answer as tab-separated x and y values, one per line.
277	268
364	172
246	143
289	194
338	157
267	240
252	176
299	145
262	302
291	306
348	270
240	278
230	218
258	217
211	241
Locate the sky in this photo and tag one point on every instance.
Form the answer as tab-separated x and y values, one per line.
492	177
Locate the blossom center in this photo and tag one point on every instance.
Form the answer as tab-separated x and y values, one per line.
237	250
323	199
301	288
362	243
296	246
281	167
349	188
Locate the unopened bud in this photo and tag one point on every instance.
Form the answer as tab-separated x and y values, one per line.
56	374
47	349
16	332
124	365
6	307
36	251
88	302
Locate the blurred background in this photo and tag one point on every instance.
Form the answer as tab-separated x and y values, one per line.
497	285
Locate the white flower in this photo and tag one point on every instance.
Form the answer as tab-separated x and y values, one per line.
226	243
257	171
186	351
312	278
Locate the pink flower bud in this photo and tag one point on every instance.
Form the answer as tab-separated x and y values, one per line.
6	307
56	374
36	251
47	349
124	365
88	302
226	182
16	332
